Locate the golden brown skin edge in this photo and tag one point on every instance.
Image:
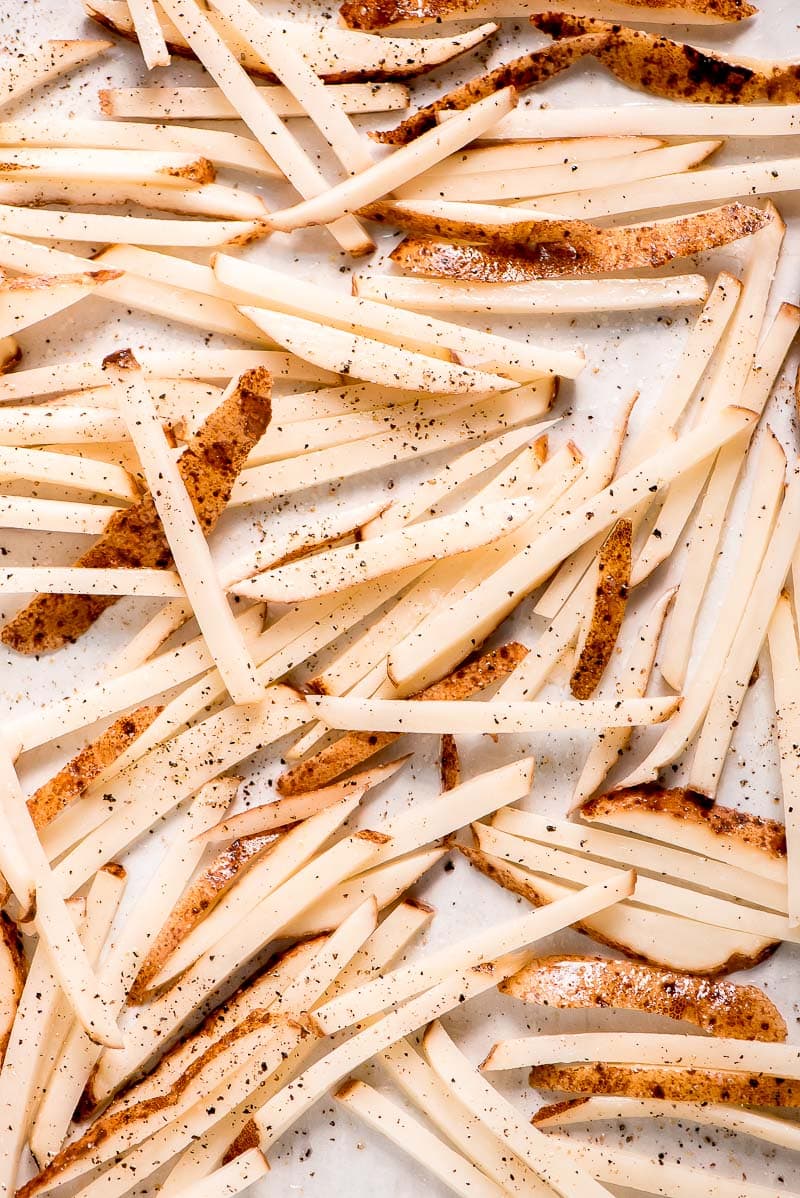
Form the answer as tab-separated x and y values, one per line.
14	963
521	73
134	536
356	747
720	1007
672	1082
78	774
659	66
608	610
531	250
496	869
367	15
449	763
764	835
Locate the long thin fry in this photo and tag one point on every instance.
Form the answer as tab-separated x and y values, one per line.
25	72
95	227
209	103
149	32
785	661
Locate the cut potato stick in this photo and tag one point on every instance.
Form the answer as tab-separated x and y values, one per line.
648	120
382	1115
54	515
209	199
335	569
24	302
423	656
269	817
98	228
286	294
22	73
118	970
561	296
715	183
254	109
657	1176
358	1005
184	533
704	539
720	1008
664	939
632	683
780	1132
149	33
646	1048
359	14
647	858
365	358
546	181
262	925
422	1086
390	173
243	1171
520	155
731	686
291	67
337	55
766	496
209	103
32	881
80	473
502	1118
81	580
106	166
649	892
403	715
785	660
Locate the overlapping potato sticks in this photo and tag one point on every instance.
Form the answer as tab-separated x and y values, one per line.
105	227
149	33
209	103
337	55
379	14
26	301
207	199
648	120
23	73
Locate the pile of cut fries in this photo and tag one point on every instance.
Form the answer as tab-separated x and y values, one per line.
166	1039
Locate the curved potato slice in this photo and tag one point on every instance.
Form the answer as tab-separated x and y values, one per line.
526	250
655	936
719	1007
380	14
608	610
669	1082
652	63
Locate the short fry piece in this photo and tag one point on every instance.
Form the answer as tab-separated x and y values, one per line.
608	611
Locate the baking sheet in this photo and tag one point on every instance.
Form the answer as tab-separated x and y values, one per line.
329	1152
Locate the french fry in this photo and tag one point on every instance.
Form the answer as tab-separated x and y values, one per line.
79	226
24	302
25	72
106	166
209	103
209	199
648	120
675	1082
518	155
784	657
82	580
55	515
374	14
82	474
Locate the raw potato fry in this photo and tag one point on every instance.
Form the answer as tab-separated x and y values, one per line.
665	940
648	120
559	297
647	858
55	515
236	1176
209	103
185	534
13	975
79	580
25	72
381	1114
209	199
149	33
378	14
633	681
106	166
365	358
502	1118
75	778
83	474
542	182
687	820
721	1008
680	1083
283	293
403	715
613	573
518	155
337	55
529	250
390	173
579	1110
228	72
785	662
97	227
135	535
354	748
521	73
653	63
24	302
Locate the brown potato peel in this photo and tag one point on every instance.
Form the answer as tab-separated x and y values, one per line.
380	14
608	611
671	1082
